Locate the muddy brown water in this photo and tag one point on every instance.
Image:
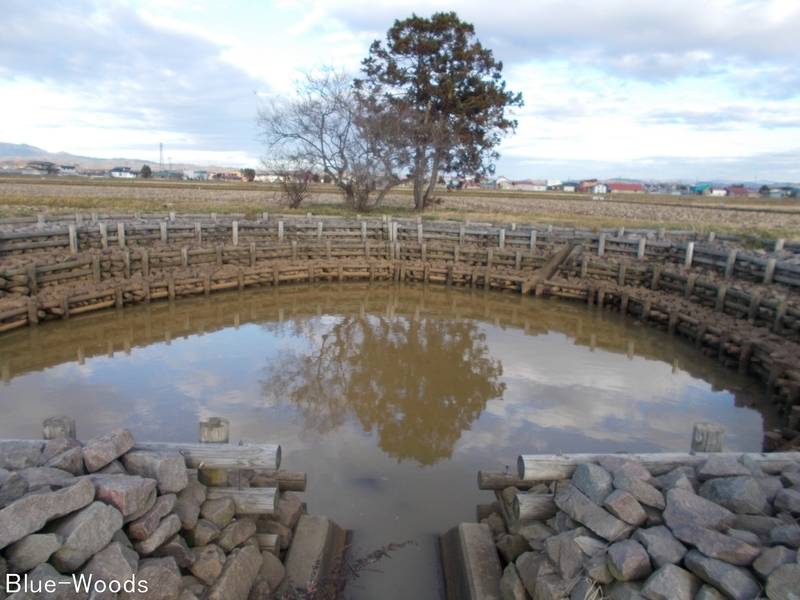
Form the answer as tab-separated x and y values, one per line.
391	397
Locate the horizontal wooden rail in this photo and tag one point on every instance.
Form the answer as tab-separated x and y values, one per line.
221	456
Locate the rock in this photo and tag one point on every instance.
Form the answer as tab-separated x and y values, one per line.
531	566
552	587
773	558
144	526
757	524
671	583
29	514
115	562
167	468
628	560
97	453
578	507
708	592
624	506
735	582
56	446
20	454
195	492
113	468
187	595
194	585
784	583
208	563
84	533
747	537
624	590
639	489
238	575
685	508
37	477
511	587
177	548
495	523
788	501
566	553
717	545
119	536
168	527
654	516
70	461
290	508
267	526
661	545
741	495
235	533
272	569
128	494
770	486
163	580
585	589
790	478
787	535
511	546
615	463
717	465
12	488
219	512
683	478
562	521
594	481
204	533
31	550
596	568
749	463
536	530
151	500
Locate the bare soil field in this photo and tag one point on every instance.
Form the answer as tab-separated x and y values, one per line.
20	197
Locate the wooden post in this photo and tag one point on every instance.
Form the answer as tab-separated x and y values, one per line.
601	244
744	357
584	266
294	250
419	233
328	249
502	241
622	272
33	287
163	227
769	270
73	239
218	250
198	232
489	256
780	313
711	236
645	312
121	234
722	353
423	252
755	304
673	322
94	217
731	264
721	293
265	216
40	221
185	256
280	230
689	254
690	282
620	232
214	217
172	216
214	430
363	231
623	306
235	232
533	240
252	254
707	437
104	236
33	312
145	262
779	244
126	264
206	284
642	246
517	260
366	250
319	231
656	277
171	287
56	427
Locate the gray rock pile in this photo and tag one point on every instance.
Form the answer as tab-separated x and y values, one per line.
723	530
116	521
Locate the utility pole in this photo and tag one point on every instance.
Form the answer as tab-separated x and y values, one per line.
160	156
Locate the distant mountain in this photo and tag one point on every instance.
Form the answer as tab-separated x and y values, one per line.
20	151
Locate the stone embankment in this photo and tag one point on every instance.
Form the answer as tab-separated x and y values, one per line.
660	527
112	519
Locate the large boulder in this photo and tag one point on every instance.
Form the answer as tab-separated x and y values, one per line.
685	508
29	514
628	560
238	575
661	545
717	545
594	481
670	582
98	452
84	533
167	468
741	495
735	582
580	508
31	550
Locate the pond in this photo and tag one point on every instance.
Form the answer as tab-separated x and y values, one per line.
390	396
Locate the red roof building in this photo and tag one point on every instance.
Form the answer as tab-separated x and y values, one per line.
738	190
625	188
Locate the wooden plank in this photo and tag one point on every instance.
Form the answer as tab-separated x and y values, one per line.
543	467
248	501
222	456
488	480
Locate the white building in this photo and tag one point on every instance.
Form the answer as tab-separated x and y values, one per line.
122	173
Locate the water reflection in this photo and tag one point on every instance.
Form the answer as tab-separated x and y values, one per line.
417	382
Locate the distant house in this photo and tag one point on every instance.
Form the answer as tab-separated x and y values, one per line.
702	189
122	173
196	175
569	186
586	185
599	188
67	170
619	187
39	168
716	191
503	183
738	191
530	185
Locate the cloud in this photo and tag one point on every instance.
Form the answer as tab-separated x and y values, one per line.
122	70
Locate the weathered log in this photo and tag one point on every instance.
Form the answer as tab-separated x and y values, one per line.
221	456
247	501
534	507
493	480
708	437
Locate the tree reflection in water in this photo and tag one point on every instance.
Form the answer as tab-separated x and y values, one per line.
418	383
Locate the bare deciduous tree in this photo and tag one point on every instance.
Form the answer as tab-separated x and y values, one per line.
295	186
326	127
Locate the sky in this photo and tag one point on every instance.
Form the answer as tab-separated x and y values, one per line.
685	89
